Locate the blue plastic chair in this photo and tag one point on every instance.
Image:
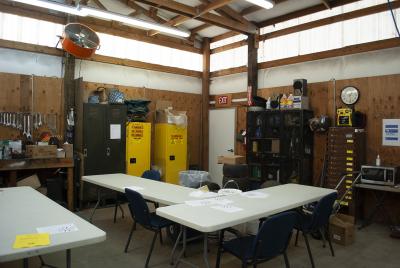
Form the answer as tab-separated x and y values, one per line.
141	214
152	175
271	240
318	221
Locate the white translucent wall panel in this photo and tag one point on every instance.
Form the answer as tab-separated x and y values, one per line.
231	58
27	30
135	50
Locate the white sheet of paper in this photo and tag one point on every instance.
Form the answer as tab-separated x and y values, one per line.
115	132
227	208
198	203
135	188
207	202
254	194
201	194
391	132
58	229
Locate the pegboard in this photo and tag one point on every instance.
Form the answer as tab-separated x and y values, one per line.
31	94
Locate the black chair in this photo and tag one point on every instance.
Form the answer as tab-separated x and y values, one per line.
271	240
317	221
148	174
141	214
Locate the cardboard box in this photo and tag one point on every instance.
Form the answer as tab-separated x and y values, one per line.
41	151
231	159
342	229
69	150
32	181
301	102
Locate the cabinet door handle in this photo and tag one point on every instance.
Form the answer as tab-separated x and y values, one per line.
85	152
108	151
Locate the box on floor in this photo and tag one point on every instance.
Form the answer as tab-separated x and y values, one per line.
342	229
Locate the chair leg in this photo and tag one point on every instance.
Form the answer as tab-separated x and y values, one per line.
287	265
161	239
297	238
244	264
328	237
116	209
309	250
130	237
321	231
151	249
122	210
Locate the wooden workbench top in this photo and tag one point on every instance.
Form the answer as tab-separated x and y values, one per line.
26	163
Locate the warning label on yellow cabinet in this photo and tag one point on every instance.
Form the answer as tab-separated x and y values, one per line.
137	132
176	139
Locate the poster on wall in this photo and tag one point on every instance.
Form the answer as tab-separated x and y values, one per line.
391	132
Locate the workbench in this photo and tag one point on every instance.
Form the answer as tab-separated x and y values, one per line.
14	165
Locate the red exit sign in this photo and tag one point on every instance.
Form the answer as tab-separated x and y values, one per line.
223	100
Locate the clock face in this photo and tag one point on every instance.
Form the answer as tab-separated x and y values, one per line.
350	95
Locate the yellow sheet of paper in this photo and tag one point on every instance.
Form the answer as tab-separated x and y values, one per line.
31	240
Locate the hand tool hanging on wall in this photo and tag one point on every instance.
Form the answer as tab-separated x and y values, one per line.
28	134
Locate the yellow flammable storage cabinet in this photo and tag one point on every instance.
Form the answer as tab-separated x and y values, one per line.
138	140
170	152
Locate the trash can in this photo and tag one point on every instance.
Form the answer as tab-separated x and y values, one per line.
193	178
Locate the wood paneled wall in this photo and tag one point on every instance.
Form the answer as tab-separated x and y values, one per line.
25	93
191	103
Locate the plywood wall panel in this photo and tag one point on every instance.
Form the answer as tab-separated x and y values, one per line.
16	95
180	101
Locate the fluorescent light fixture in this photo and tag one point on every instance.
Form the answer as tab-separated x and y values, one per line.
132	21
87	11
267	4
53	6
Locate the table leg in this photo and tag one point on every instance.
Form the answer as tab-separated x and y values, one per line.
205	250
70	188
178	260
25	263
97	204
12	179
379	205
175	246
68	258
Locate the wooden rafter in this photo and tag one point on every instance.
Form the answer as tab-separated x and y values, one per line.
99	4
200	9
98	26
313	24
326	3
192	12
292	15
231	13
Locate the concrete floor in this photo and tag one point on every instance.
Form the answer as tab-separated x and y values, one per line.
373	248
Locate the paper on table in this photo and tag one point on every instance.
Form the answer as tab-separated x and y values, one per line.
135	188
201	194
227	208
206	202
254	194
115	131
31	240
199	203
58	229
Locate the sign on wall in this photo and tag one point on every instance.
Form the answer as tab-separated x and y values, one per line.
391	132
223	100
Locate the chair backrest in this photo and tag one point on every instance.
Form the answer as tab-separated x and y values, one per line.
138	207
273	236
152	175
322	211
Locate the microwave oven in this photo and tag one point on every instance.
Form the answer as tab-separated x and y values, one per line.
380	175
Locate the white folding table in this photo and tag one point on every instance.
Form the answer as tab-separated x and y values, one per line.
23	209
207	219
160	192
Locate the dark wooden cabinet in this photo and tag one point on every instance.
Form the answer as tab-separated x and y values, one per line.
280	146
